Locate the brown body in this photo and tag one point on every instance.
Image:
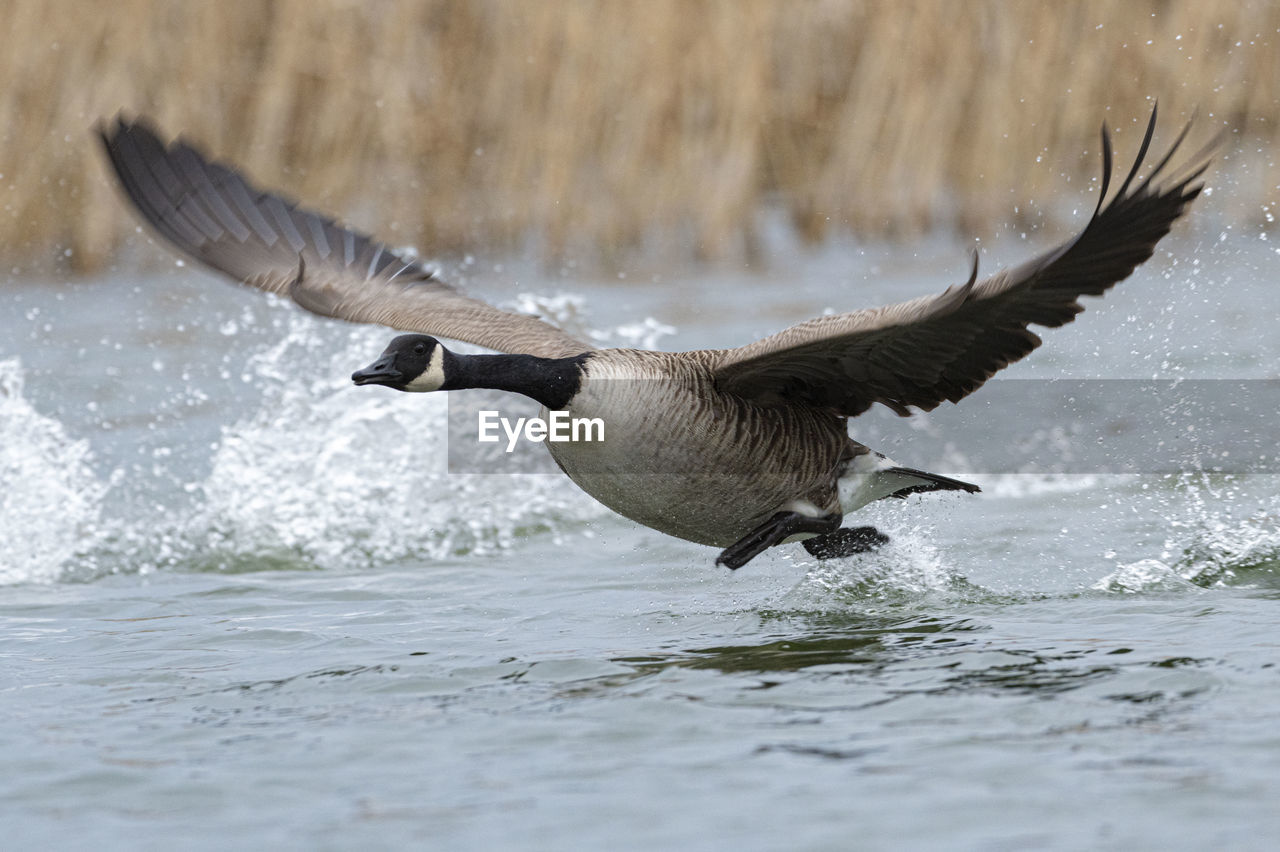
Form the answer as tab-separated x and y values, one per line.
682	457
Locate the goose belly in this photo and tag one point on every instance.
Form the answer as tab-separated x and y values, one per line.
696	466
703	508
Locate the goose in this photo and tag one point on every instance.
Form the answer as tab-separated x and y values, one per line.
740	449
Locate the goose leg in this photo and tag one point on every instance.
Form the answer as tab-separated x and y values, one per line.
773	531
845	542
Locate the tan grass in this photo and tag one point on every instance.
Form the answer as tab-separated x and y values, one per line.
594	128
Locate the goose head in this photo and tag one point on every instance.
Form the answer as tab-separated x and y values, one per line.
411	362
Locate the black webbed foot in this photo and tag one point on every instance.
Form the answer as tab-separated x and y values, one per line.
845	542
771	532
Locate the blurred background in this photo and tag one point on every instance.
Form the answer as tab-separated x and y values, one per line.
245	602
601	131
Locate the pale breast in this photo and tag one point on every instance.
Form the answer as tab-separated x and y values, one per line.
682	458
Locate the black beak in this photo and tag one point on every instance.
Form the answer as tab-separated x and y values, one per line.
380	372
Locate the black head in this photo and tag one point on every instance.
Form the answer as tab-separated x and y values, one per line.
411	362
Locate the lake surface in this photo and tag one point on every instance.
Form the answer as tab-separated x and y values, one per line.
244	604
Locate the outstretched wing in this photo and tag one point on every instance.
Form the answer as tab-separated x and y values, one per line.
211	213
944	347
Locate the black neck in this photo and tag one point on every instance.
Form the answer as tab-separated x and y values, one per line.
550	381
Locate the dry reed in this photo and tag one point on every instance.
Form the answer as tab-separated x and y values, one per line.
594	128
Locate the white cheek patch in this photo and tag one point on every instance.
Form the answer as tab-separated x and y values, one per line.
431	378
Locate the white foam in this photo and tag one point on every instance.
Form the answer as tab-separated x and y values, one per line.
1208	544
50	499
339	475
644	334
1020	485
1145	575
1217	553
907	564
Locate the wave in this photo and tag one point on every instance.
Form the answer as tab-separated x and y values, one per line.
1208	545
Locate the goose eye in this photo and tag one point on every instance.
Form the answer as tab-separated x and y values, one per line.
419	349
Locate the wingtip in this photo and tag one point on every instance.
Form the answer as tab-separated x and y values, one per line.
1107	163
123	123
1142	155
109	128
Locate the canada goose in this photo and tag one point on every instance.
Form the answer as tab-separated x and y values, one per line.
740	448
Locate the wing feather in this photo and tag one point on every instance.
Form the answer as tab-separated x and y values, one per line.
213	214
920	353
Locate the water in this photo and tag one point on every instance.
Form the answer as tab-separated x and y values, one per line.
244	604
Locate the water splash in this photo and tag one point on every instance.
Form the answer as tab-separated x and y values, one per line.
1225	554
908	566
1021	485
50	499
1145	575
325	474
1209	544
564	310
320	475
645	334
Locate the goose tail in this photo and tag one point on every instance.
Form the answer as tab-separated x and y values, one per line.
923	481
871	476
